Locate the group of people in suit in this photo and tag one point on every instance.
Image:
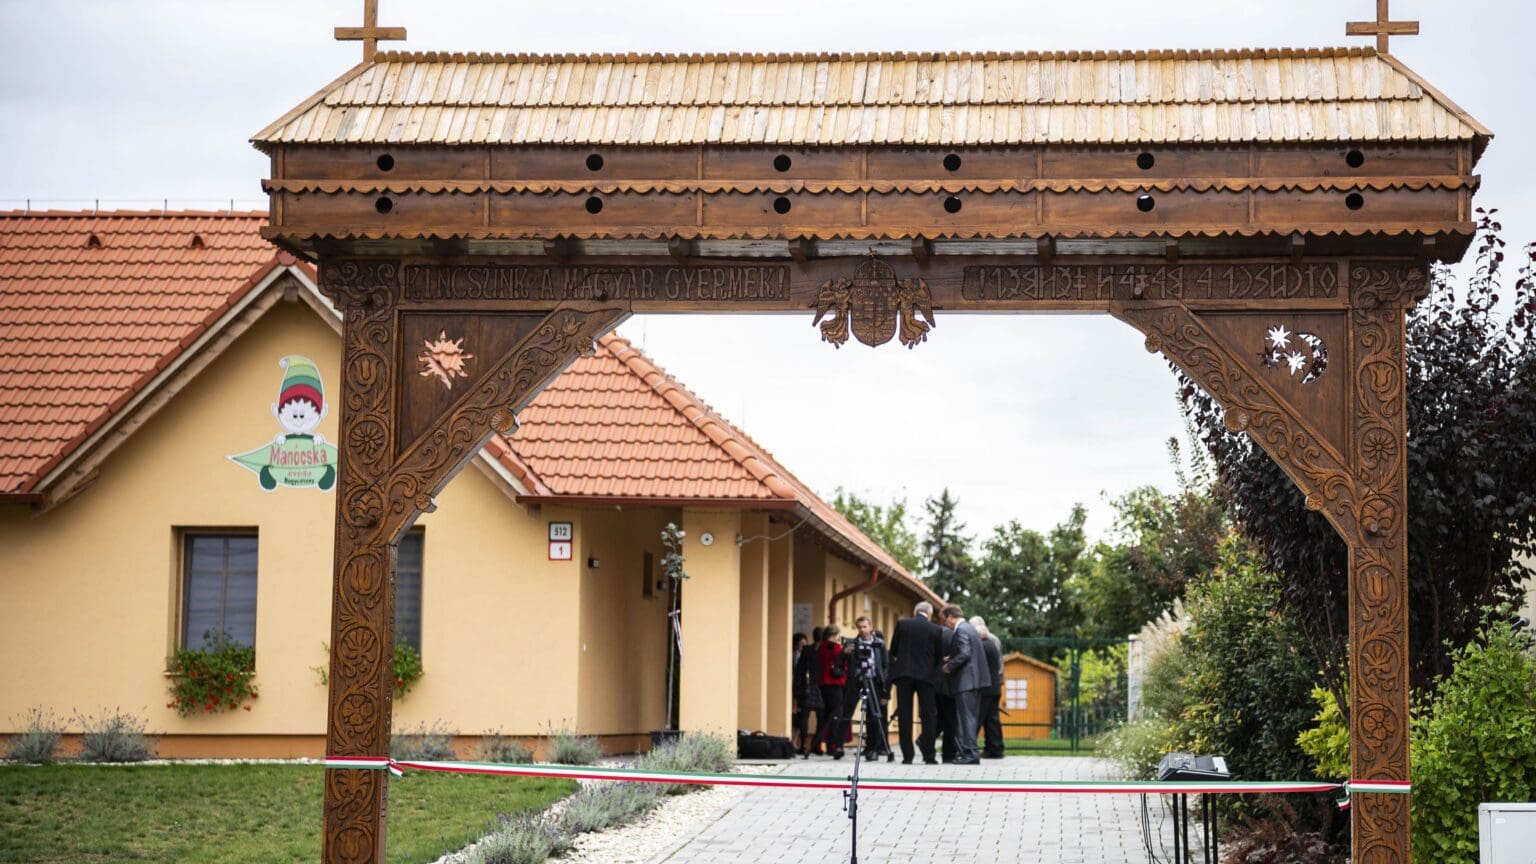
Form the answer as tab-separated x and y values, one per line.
950	667
828	682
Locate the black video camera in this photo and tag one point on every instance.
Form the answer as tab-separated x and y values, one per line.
859	656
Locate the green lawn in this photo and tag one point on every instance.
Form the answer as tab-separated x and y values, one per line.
234	813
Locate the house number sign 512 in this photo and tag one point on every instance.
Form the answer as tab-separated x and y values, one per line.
560	536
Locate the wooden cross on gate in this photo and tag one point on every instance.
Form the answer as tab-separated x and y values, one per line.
370	34
1383	28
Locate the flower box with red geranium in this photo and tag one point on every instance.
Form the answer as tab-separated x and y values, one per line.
213	679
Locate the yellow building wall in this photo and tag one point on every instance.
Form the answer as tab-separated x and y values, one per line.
89	591
623	644
511	642
711	613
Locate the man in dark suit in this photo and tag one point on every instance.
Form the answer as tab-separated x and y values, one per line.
944	697
916	646
992	697
965	666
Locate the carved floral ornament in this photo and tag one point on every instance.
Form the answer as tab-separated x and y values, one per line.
875	305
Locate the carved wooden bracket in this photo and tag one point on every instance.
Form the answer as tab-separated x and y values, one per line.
1344	443
403	437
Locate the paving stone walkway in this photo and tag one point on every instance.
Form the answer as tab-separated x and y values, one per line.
798	826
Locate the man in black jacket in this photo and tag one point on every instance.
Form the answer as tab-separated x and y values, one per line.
965	667
915	652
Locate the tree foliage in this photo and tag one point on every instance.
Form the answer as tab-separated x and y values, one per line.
1021	583
947	563
1247	684
1471	382
887	525
1160	542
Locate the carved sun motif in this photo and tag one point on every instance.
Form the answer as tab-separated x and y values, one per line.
444	358
1310	359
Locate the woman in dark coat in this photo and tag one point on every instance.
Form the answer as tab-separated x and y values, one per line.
807	693
833	673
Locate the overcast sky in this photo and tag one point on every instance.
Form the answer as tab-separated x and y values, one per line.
135	101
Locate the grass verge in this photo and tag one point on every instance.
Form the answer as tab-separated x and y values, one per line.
214	814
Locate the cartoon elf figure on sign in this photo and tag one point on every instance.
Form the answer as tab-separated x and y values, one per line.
297	457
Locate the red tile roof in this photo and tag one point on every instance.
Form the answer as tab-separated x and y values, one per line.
92	306
616	426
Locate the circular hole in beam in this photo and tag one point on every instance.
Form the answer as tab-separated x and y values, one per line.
594	205
952	204
385	162
781	205
383	204
1354	201
1354	158
781	163
595	162
1145	202
1145	161
952	162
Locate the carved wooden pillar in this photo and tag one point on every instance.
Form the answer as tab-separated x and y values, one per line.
1345	446
1378	557
405	432
363	597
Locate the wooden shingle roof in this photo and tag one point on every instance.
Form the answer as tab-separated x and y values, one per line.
1169	97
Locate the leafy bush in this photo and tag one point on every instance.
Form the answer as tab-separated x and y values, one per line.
38	741
1474	741
1248	684
1327	742
605	805
423	743
115	737
496	747
215	678
407	668
526	838
1139	745
701	754
568	748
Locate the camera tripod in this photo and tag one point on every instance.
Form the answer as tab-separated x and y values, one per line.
871	712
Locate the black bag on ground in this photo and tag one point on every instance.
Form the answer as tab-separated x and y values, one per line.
756	745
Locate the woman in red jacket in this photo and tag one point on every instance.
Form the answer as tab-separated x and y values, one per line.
834	679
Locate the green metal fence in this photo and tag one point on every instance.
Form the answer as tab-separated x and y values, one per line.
1085	710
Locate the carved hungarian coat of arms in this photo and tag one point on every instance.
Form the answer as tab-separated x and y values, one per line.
875	305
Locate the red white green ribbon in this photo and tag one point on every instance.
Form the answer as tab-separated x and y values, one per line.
924	784
1389	787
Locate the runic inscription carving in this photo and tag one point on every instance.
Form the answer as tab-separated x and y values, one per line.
1003	282
717	282
875	305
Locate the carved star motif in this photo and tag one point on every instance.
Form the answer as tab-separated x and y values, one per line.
1294	361
1279	336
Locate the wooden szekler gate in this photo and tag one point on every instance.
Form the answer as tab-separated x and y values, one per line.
1265	218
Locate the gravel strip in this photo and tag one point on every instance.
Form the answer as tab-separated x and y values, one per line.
676	821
